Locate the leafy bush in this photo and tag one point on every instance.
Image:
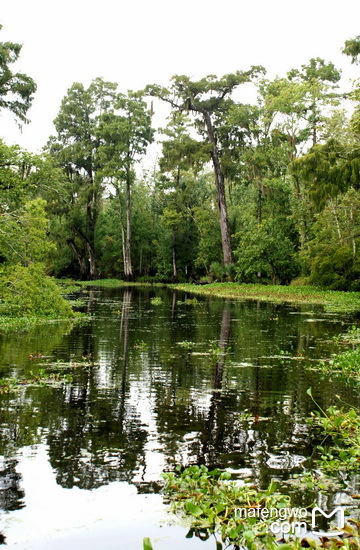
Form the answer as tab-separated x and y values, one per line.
332	258
27	291
265	254
342	431
220	272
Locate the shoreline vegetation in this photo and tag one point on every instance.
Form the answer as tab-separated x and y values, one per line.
29	297
332	300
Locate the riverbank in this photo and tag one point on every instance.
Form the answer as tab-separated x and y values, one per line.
332	300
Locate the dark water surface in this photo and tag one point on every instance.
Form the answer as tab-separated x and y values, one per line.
174	381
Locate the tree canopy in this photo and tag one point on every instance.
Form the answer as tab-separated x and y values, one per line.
253	191
16	89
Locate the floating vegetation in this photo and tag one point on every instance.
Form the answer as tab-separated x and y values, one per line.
332	300
41	377
49	373
7	385
140	344
237	514
340	449
216	351
347	363
156	301
68	286
77	303
190	302
351	336
313	481
10	324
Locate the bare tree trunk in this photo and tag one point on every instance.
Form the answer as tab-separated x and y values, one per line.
140	260
220	193
353	242
123	239
175	276
300	212
128	272
122	230
91	214
259	203
337	224
80	258
92	264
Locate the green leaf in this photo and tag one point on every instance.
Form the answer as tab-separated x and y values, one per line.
147	544
272	487
193	509
249	535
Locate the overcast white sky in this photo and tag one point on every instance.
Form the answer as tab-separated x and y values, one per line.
145	41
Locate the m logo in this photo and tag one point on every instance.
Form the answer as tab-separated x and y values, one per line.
340	521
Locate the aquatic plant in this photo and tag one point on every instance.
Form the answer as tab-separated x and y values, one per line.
212	500
332	300
147	544
340	448
156	301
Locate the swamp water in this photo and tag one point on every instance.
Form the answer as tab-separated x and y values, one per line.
158	379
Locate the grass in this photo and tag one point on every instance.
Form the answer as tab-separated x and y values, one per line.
332	300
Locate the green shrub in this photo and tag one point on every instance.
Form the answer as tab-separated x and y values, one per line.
28	291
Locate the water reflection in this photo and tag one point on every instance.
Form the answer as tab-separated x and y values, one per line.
214	382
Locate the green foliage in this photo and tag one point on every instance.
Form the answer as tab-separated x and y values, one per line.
147	544
27	291
76	149
340	450
348	361
265	252
7	385
332	258
209	242
50	374
282	205
352	49
221	272
23	234
331	300
351	336
267	241
212	501
327	171
16	89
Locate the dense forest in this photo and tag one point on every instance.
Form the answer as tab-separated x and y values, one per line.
264	192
